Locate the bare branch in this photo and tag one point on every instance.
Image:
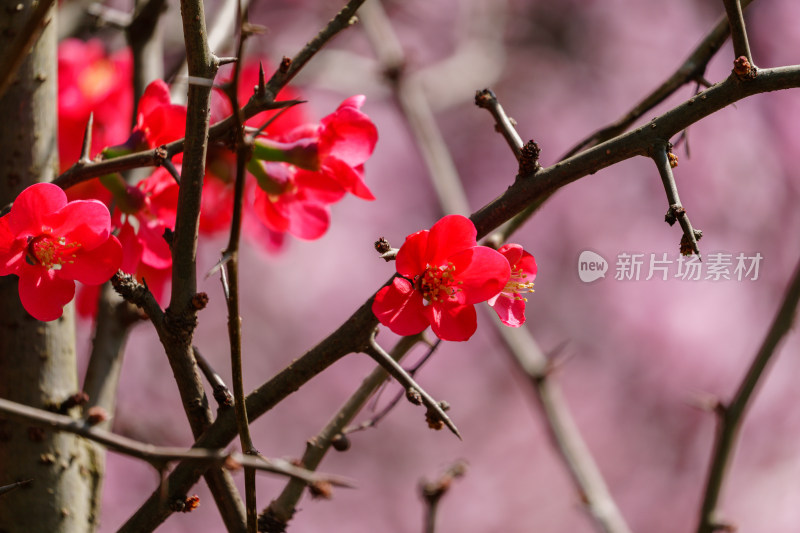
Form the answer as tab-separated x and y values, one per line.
435	415
732	415
634	143
159	456
282	508
741	47
486	99
563	431
665	160
411	99
432	492
692	69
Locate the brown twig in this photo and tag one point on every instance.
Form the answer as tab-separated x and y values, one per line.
230	280
692	69
352	336
486	99
413	103
665	160
432	492
562	429
741	47
281	509
732	415
5	489
343	19
380	415
219	390
436	414
634	143
160	456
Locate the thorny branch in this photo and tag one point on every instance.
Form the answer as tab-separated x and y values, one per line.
665	160
280	510
692	69
732	415
563	431
160	456
522	193
741	46
410	96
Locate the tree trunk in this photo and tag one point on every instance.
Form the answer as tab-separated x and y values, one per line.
37	360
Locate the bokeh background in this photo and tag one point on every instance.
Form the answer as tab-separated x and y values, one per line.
636	355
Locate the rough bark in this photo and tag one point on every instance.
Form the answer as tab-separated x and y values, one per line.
37	360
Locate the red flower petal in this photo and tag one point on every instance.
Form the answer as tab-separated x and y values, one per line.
308	220
450	235
348	134
87	222
96	266
43	294
155	95
12	250
411	259
481	273
131	249
318	187
510	310
400	308
351	179
155	250
452	322
32	206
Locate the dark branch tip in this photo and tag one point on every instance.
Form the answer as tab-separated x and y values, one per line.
484	98
529	159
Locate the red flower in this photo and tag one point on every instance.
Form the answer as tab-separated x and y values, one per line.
297	202
146	254
509	304
217	203
337	148
157	119
311	167
443	274
50	243
89	81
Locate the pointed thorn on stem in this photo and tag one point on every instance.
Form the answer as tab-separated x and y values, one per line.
261	89
86	148
435	414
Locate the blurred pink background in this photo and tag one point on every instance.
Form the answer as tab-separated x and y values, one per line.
637	352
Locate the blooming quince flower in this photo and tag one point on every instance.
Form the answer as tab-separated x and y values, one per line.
158	120
443	273
151	212
51	243
296	201
90	81
337	148
510	304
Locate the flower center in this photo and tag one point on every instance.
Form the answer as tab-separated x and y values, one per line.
516	284
438	283
50	251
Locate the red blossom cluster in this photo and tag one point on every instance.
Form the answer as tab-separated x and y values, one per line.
443	273
298	170
50	243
